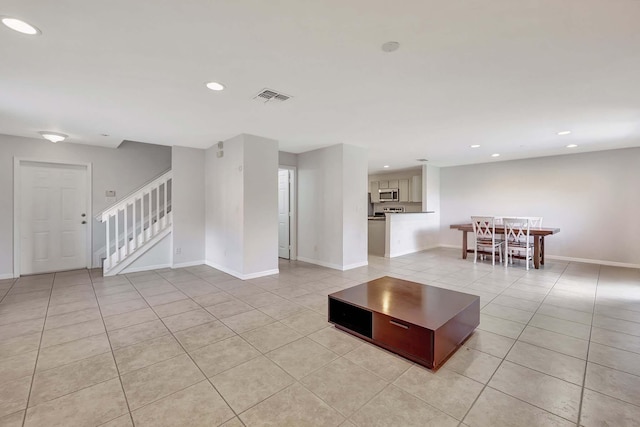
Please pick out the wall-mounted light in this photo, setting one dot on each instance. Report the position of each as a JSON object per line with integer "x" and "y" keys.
{"x": 53, "y": 136}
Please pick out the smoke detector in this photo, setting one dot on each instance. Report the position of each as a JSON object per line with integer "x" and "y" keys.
{"x": 270, "y": 95}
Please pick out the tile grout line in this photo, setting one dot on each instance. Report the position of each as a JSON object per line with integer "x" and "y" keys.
{"x": 113, "y": 357}
{"x": 586, "y": 365}
{"x": 35, "y": 367}
{"x": 505, "y": 358}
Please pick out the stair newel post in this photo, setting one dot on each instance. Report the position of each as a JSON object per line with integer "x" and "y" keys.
{"x": 133, "y": 224}
{"x": 117, "y": 235}
{"x": 107, "y": 261}
{"x": 126, "y": 229}
{"x": 157, "y": 209}
{"x": 166, "y": 204}
{"x": 150, "y": 219}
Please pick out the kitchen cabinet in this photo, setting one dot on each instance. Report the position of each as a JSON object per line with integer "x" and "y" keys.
{"x": 416, "y": 189}
{"x": 393, "y": 183}
{"x": 383, "y": 184}
{"x": 403, "y": 190}
{"x": 375, "y": 195}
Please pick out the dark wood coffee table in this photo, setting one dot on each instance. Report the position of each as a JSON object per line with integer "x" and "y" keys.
{"x": 420, "y": 322}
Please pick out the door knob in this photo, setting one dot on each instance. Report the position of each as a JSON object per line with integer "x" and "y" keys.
{"x": 83, "y": 215}
{"x": 84, "y": 222}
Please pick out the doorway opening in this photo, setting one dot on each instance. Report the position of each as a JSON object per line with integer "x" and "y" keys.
{"x": 287, "y": 213}
{"x": 52, "y": 217}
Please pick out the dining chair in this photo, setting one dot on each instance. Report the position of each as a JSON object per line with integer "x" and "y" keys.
{"x": 535, "y": 221}
{"x": 484, "y": 230}
{"x": 516, "y": 239}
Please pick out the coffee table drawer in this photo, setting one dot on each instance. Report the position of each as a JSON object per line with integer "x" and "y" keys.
{"x": 403, "y": 336}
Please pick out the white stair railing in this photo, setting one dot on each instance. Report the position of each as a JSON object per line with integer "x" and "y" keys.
{"x": 136, "y": 222}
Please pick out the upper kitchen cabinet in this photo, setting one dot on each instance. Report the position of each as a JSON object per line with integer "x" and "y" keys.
{"x": 403, "y": 190}
{"x": 416, "y": 189}
{"x": 374, "y": 186}
{"x": 383, "y": 184}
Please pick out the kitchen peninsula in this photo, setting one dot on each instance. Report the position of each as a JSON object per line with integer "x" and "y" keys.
{"x": 401, "y": 233}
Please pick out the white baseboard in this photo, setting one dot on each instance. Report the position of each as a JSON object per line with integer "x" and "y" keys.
{"x": 448, "y": 247}
{"x": 145, "y": 268}
{"x": 188, "y": 264}
{"x": 239, "y": 275}
{"x": 593, "y": 261}
{"x": 6, "y": 276}
{"x": 355, "y": 265}
{"x": 413, "y": 251}
{"x": 333, "y": 266}
{"x": 572, "y": 259}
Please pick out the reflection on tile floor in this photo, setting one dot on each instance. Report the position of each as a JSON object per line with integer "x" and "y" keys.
{"x": 559, "y": 346}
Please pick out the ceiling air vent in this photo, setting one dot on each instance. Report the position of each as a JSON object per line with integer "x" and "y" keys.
{"x": 269, "y": 95}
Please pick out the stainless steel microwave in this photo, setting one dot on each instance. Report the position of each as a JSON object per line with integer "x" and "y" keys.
{"x": 388, "y": 194}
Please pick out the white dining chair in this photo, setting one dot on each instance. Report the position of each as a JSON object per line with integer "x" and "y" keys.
{"x": 535, "y": 221}
{"x": 516, "y": 239}
{"x": 484, "y": 230}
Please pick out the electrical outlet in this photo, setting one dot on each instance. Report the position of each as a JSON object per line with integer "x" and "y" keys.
{"x": 178, "y": 251}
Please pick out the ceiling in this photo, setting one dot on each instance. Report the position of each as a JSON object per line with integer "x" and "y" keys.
{"x": 508, "y": 75}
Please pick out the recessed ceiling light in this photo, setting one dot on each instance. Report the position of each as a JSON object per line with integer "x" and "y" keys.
{"x": 495, "y": 155}
{"x": 53, "y": 136}
{"x": 385, "y": 166}
{"x": 564, "y": 132}
{"x": 20, "y": 26}
{"x": 215, "y": 86}
{"x": 390, "y": 46}
{"x": 475, "y": 146}
{"x": 572, "y": 146}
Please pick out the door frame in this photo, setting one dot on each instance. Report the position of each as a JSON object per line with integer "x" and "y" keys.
{"x": 17, "y": 205}
{"x": 293, "y": 209}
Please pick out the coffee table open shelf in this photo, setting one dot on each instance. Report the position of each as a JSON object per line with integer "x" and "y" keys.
{"x": 423, "y": 323}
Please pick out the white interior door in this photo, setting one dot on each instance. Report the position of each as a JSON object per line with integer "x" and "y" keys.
{"x": 53, "y": 230}
{"x": 283, "y": 214}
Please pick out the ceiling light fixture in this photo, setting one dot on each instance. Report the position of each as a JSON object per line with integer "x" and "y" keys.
{"x": 20, "y": 26}
{"x": 390, "y": 47}
{"x": 564, "y": 132}
{"x": 572, "y": 145}
{"x": 495, "y": 155}
{"x": 215, "y": 86}
{"x": 386, "y": 166}
{"x": 475, "y": 146}
{"x": 53, "y": 136}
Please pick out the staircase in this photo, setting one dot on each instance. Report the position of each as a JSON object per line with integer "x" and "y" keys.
{"x": 136, "y": 223}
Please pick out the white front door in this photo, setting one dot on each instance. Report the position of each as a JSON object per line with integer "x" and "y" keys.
{"x": 53, "y": 201}
{"x": 283, "y": 214}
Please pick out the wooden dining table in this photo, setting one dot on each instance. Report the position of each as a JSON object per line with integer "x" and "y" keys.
{"x": 538, "y": 240}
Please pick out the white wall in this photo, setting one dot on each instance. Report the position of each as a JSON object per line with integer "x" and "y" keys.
{"x": 354, "y": 212}
{"x": 224, "y": 206}
{"x": 592, "y": 197}
{"x": 188, "y": 205}
{"x": 287, "y": 159}
{"x": 260, "y": 206}
{"x": 242, "y": 207}
{"x": 332, "y": 206}
{"x": 123, "y": 169}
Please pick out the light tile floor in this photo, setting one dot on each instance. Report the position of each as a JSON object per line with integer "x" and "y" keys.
{"x": 559, "y": 346}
